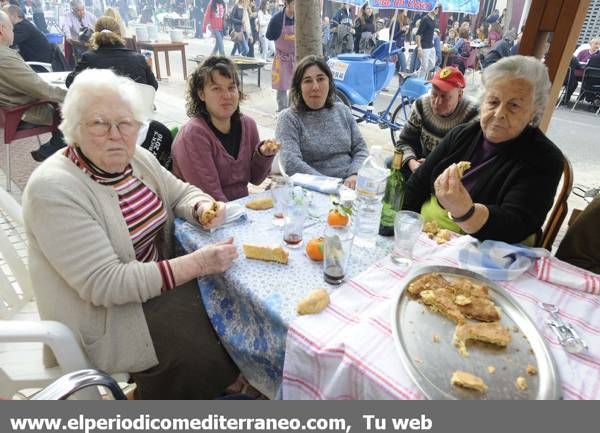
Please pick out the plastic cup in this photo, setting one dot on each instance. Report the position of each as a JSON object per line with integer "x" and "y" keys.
{"x": 281, "y": 194}
{"x": 336, "y": 253}
{"x": 407, "y": 228}
{"x": 293, "y": 225}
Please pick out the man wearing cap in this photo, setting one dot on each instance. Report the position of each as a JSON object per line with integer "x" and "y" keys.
{"x": 433, "y": 115}
{"x": 424, "y": 40}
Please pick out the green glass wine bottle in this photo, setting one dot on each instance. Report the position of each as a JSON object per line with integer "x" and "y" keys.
{"x": 393, "y": 198}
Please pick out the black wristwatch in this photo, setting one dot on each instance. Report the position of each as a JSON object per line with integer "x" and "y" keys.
{"x": 463, "y": 218}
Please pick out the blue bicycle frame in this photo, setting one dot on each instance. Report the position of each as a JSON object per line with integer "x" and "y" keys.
{"x": 360, "y": 77}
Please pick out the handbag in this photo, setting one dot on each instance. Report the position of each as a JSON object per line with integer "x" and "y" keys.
{"x": 236, "y": 36}
{"x": 85, "y": 34}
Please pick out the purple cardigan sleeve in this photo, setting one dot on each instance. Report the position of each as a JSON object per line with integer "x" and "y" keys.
{"x": 261, "y": 165}
{"x": 191, "y": 163}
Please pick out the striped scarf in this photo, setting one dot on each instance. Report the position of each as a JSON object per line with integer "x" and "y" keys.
{"x": 142, "y": 209}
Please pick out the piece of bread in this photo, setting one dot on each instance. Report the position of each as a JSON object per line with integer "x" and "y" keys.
{"x": 429, "y": 281}
{"x": 462, "y": 300}
{"x": 493, "y": 333}
{"x": 465, "y": 287}
{"x": 480, "y": 306}
{"x": 442, "y": 236}
{"x": 481, "y": 309}
{"x": 468, "y": 380}
{"x": 442, "y": 301}
{"x": 260, "y": 203}
{"x": 521, "y": 383}
{"x": 209, "y": 214}
{"x": 268, "y": 254}
{"x": 271, "y": 145}
{"x": 463, "y": 166}
{"x": 314, "y": 303}
{"x": 531, "y": 370}
{"x": 430, "y": 227}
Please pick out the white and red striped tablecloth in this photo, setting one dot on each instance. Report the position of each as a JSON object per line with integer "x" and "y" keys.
{"x": 348, "y": 352}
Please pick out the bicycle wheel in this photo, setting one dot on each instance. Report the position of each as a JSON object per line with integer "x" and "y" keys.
{"x": 341, "y": 97}
{"x": 400, "y": 117}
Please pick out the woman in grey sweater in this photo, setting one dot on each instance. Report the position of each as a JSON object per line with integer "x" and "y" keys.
{"x": 318, "y": 135}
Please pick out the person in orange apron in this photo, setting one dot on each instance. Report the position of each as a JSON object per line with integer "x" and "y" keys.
{"x": 282, "y": 30}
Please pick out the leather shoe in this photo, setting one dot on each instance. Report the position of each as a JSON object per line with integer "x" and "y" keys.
{"x": 47, "y": 149}
{"x": 38, "y": 156}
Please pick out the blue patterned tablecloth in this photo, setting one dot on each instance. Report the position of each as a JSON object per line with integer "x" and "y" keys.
{"x": 253, "y": 303}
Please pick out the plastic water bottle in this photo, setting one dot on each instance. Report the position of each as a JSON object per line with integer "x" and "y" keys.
{"x": 366, "y": 210}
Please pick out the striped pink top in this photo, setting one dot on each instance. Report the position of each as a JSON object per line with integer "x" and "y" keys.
{"x": 142, "y": 209}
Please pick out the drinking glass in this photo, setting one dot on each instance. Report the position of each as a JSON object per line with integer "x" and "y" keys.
{"x": 281, "y": 193}
{"x": 293, "y": 224}
{"x": 407, "y": 228}
{"x": 336, "y": 255}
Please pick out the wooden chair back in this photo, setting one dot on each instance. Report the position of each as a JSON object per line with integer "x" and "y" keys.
{"x": 559, "y": 210}
{"x": 131, "y": 43}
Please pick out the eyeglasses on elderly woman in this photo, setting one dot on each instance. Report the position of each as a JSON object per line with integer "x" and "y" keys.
{"x": 101, "y": 127}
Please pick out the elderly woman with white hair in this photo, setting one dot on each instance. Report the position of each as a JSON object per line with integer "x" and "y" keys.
{"x": 586, "y": 54}
{"x": 514, "y": 168}
{"x": 98, "y": 217}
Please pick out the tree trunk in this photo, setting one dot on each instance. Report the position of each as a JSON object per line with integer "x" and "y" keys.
{"x": 308, "y": 28}
{"x": 507, "y": 19}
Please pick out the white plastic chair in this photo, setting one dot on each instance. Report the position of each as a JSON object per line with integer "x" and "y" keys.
{"x": 147, "y": 94}
{"x": 21, "y": 364}
{"x": 15, "y": 286}
{"x": 58, "y": 337}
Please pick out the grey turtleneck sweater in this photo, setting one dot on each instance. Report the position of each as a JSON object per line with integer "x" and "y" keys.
{"x": 425, "y": 129}
{"x": 322, "y": 142}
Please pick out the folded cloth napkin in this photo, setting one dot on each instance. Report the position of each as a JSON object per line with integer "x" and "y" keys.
{"x": 234, "y": 213}
{"x": 493, "y": 259}
{"x": 323, "y": 184}
{"x": 560, "y": 273}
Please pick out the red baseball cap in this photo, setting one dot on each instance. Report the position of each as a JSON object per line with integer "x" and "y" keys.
{"x": 448, "y": 78}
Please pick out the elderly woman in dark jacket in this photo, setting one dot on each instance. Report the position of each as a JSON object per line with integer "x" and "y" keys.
{"x": 515, "y": 168}
{"x": 109, "y": 52}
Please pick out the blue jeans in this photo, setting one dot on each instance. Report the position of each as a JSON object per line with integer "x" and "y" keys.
{"x": 218, "y": 34}
{"x": 401, "y": 63}
{"x": 241, "y": 46}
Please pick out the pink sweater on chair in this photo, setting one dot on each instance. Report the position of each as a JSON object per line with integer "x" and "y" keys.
{"x": 200, "y": 159}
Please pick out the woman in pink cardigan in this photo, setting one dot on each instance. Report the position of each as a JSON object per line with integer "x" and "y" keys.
{"x": 219, "y": 150}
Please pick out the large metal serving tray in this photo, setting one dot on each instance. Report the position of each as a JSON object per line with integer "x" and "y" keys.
{"x": 431, "y": 364}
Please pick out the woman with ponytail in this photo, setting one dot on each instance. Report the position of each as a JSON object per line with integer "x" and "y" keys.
{"x": 108, "y": 52}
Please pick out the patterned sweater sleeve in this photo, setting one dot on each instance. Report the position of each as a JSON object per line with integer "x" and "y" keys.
{"x": 409, "y": 140}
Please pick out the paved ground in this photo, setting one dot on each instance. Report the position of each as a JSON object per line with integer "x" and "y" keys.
{"x": 576, "y": 133}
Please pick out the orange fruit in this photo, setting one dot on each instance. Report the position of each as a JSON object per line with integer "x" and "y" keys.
{"x": 337, "y": 218}
{"x": 314, "y": 249}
